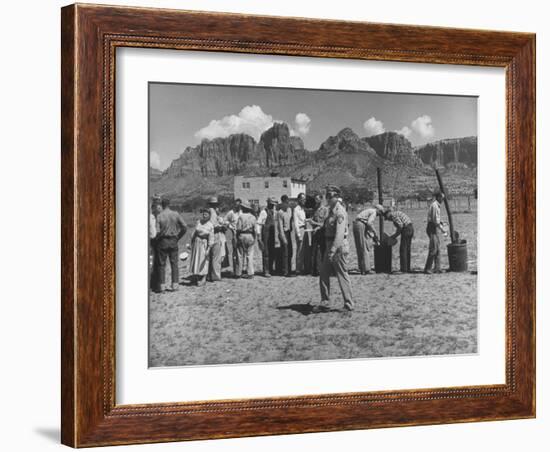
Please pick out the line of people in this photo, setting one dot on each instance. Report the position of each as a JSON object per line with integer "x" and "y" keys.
{"x": 282, "y": 233}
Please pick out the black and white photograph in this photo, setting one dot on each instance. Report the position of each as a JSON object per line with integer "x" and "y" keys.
{"x": 292, "y": 224}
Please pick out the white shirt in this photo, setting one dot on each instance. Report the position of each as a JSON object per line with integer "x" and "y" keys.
{"x": 152, "y": 226}
{"x": 262, "y": 217}
{"x": 299, "y": 220}
{"x": 260, "y": 221}
{"x": 231, "y": 219}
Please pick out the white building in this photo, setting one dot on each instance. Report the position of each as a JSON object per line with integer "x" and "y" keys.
{"x": 256, "y": 190}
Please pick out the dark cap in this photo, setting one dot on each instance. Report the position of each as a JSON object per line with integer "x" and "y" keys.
{"x": 333, "y": 190}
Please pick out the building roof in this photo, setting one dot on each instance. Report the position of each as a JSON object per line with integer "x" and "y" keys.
{"x": 293, "y": 179}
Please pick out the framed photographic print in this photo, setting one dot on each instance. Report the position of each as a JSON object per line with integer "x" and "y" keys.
{"x": 281, "y": 225}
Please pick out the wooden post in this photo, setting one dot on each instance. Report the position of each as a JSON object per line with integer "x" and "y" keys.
{"x": 380, "y": 199}
{"x": 446, "y": 201}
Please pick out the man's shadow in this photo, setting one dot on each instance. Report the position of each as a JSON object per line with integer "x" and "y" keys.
{"x": 307, "y": 309}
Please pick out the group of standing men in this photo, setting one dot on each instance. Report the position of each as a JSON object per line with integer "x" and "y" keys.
{"x": 364, "y": 233}
{"x": 279, "y": 231}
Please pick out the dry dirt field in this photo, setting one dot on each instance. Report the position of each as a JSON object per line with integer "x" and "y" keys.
{"x": 262, "y": 320}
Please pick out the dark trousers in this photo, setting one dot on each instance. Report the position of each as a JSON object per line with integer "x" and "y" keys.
{"x": 284, "y": 255}
{"x": 407, "y": 234}
{"x": 165, "y": 247}
{"x": 268, "y": 254}
{"x": 317, "y": 251}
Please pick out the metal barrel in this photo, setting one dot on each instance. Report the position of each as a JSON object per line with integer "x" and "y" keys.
{"x": 382, "y": 258}
{"x": 458, "y": 256}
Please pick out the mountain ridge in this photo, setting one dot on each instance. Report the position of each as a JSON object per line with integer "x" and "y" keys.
{"x": 344, "y": 159}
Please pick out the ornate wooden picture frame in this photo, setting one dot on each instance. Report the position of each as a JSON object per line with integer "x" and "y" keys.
{"x": 90, "y": 37}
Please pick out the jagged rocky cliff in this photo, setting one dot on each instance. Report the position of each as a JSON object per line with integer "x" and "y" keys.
{"x": 451, "y": 153}
{"x": 344, "y": 159}
{"x": 394, "y": 147}
{"x": 278, "y": 148}
{"x": 346, "y": 141}
{"x": 236, "y": 153}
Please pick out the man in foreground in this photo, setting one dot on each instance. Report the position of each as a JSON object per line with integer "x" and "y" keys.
{"x": 336, "y": 253}
{"x": 434, "y": 227}
{"x": 170, "y": 229}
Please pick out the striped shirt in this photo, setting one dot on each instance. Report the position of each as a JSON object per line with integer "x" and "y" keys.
{"x": 398, "y": 218}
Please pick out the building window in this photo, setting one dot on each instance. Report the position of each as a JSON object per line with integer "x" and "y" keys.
{"x": 266, "y": 184}
{"x": 254, "y": 201}
{"x": 285, "y": 183}
{"x": 246, "y": 184}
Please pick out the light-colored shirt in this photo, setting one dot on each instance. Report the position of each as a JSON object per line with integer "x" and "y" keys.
{"x": 367, "y": 216}
{"x": 246, "y": 223}
{"x": 434, "y": 213}
{"x": 262, "y": 217}
{"x": 299, "y": 220}
{"x": 336, "y": 226}
{"x": 205, "y": 231}
{"x": 217, "y": 221}
{"x": 231, "y": 219}
{"x": 169, "y": 223}
{"x": 152, "y": 226}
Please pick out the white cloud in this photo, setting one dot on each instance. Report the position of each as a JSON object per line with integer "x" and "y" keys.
{"x": 373, "y": 127}
{"x": 250, "y": 120}
{"x": 303, "y": 123}
{"x": 423, "y": 126}
{"x": 405, "y": 131}
{"x": 154, "y": 160}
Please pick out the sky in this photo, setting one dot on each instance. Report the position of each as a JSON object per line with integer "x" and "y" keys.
{"x": 182, "y": 115}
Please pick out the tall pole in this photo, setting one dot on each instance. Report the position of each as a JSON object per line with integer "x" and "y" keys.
{"x": 380, "y": 199}
{"x": 446, "y": 201}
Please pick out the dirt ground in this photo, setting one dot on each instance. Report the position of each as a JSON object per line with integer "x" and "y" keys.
{"x": 263, "y": 320}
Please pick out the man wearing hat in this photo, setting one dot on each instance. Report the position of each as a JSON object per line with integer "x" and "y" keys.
{"x": 363, "y": 230}
{"x": 246, "y": 238}
{"x": 269, "y": 236}
{"x": 170, "y": 229}
{"x": 336, "y": 253}
{"x": 435, "y": 225}
{"x": 217, "y": 252}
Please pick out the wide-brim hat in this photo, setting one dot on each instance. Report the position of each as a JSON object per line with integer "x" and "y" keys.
{"x": 213, "y": 200}
{"x": 379, "y": 208}
{"x": 246, "y": 206}
{"x": 271, "y": 200}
